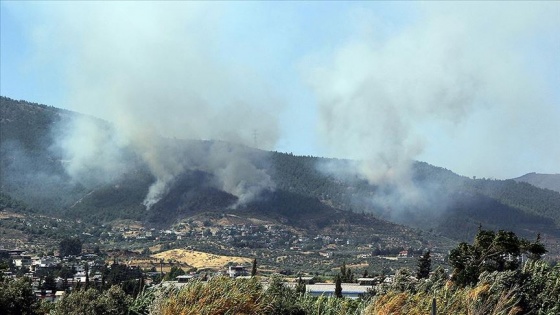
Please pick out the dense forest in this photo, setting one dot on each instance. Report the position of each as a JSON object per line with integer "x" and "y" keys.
{"x": 303, "y": 189}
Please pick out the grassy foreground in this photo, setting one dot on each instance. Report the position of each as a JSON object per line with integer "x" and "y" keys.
{"x": 532, "y": 290}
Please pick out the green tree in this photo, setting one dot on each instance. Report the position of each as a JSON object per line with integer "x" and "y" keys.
{"x": 49, "y": 283}
{"x": 534, "y": 250}
{"x": 338, "y": 286}
{"x": 22, "y": 271}
{"x": 173, "y": 273}
{"x": 541, "y": 289}
{"x": 254, "y": 269}
{"x": 282, "y": 299}
{"x": 120, "y": 274}
{"x": 70, "y": 246}
{"x": 346, "y": 274}
{"x": 17, "y": 298}
{"x": 113, "y": 301}
{"x": 490, "y": 252}
{"x": 65, "y": 273}
{"x": 424, "y": 266}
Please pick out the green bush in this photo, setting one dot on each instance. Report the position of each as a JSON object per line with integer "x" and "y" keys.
{"x": 113, "y": 301}
{"x": 16, "y": 297}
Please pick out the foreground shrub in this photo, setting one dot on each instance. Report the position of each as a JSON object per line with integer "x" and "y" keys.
{"x": 541, "y": 287}
{"x": 142, "y": 303}
{"x": 220, "y": 295}
{"x": 449, "y": 300}
{"x": 331, "y": 306}
{"x": 16, "y": 297}
{"x": 282, "y": 299}
{"x": 91, "y": 302}
{"x": 534, "y": 289}
{"x": 246, "y": 296}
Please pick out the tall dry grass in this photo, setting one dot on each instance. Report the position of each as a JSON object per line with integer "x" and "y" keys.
{"x": 449, "y": 300}
{"x": 220, "y": 295}
{"x": 532, "y": 290}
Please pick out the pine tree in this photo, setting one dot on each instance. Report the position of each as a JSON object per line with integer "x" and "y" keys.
{"x": 349, "y": 276}
{"x": 424, "y": 266}
{"x": 338, "y": 286}
{"x": 491, "y": 251}
{"x": 536, "y": 249}
{"x": 346, "y": 274}
{"x": 86, "y": 270}
{"x": 254, "y": 269}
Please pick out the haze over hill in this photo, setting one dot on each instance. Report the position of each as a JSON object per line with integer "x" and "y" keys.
{"x": 548, "y": 181}
{"x": 214, "y": 176}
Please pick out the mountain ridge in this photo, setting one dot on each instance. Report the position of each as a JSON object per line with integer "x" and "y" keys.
{"x": 545, "y": 181}
{"x": 451, "y": 204}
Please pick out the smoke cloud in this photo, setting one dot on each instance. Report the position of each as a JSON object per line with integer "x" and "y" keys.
{"x": 158, "y": 71}
{"x": 382, "y": 99}
{"x": 462, "y": 85}
{"x": 90, "y": 150}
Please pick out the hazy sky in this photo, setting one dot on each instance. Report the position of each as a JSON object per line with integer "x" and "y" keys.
{"x": 470, "y": 86}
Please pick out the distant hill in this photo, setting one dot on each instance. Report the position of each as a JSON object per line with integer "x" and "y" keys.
{"x": 302, "y": 195}
{"x": 546, "y": 181}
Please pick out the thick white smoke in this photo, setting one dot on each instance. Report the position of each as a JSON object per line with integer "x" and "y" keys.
{"x": 91, "y": 151}
{"x": 236, "y": 172}
{"x": 382, "y": 99}
{"x": 157, "y": 70}
{"x": 461, "y": 85}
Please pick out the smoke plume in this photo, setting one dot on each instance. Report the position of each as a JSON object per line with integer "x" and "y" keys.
{"x": 158, "y": 73}
{"x": 386, "y": 93}
{"x": 466, "y": 86}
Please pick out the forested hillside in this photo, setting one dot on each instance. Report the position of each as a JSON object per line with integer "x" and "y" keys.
{"x": 456, "y": 205}
{"x": 300, "y": 191}
{"x": 29, "y": 169}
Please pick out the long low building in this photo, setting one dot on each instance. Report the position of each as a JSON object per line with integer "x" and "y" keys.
{"x": 349, "y": 290}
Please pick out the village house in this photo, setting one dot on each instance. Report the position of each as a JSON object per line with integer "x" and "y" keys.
{"x": 403, "y": 254}
{"x": 237, "y": 271}
{"x": 22, "y": 261}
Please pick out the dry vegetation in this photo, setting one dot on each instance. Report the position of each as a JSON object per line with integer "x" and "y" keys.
{"x": 8, "y": 214}
{"x": 201, "y": 260}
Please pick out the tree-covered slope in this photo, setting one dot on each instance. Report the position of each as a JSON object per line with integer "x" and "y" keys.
{"x": 523, "y": 196}
{"x": 303, "y": 189}
{"x": 29, "y": 169}
{"x": 450, "y": 204}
